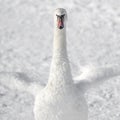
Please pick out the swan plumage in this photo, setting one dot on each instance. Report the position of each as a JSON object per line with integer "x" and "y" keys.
{"x": 63, "y": 97}
{"x": 60, "y": 100}
{"x": 92, "y": 76}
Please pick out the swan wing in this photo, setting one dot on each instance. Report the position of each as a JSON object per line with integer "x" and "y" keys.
{"x": 93, "y": 76}
{"x": 21, "y": 81}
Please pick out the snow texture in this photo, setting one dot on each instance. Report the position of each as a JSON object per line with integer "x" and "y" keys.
{"x": 26, "y": 34}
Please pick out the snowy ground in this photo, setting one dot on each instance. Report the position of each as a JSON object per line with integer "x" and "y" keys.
{"x": 26, "y": 33}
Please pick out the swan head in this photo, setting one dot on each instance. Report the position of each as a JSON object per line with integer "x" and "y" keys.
{"x": 60, "y": 17}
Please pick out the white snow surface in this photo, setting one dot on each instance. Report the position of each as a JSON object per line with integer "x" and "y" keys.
{"x": 26, "y": 36}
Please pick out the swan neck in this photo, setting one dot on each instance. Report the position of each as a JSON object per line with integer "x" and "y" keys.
{"x": 59, "y": 44}
{"x": 60, "y": 73}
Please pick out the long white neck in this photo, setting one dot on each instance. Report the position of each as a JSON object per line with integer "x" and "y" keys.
{"x": 60, "y": 73}
{"x": 59, "y": 44}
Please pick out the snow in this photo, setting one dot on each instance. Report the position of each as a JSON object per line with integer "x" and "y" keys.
{"x": 26, "y": 34}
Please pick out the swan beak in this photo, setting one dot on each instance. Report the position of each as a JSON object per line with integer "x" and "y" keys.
{"x": 60, "y": 21}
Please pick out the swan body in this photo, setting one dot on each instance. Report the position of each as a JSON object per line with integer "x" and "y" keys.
{"x": 60, "y": 100}
{"x": 65, "y": 105}
{"x": 63, "y": 97}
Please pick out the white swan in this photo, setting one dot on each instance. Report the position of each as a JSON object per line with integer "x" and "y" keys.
{"x": 62, "y": 98}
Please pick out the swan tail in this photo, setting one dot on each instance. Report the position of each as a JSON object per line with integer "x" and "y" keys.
{"x": 19, "y": 81}
{"x": 94, "y": 76}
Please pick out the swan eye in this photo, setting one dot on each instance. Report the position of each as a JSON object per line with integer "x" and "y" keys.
{"x": 61, "y": 16}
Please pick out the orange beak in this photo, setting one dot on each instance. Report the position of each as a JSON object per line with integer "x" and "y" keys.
{"x": 60, "y": 22}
